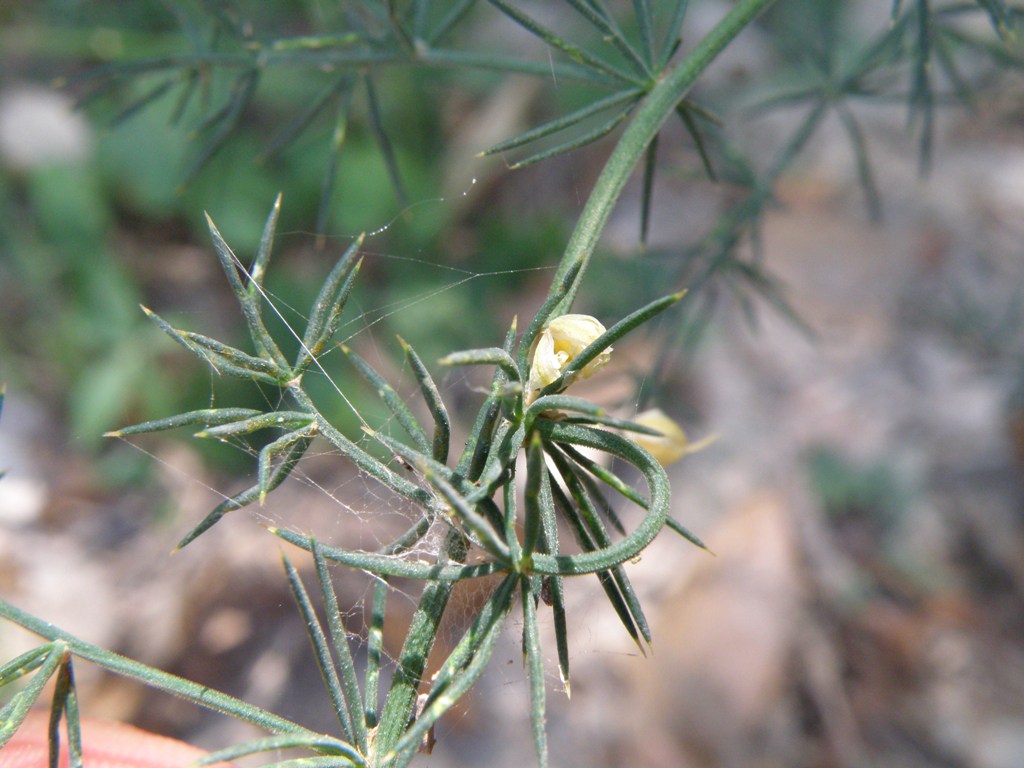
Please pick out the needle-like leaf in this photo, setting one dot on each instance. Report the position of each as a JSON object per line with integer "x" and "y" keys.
{"x": 324, "y": 745}
{"x": 464, "y": 665}
{"x": 222, "y": 358}
{"x": 552, "y": 39}
{"x": 575, "y": 515}
{"x": 230, "y": 264}
{"x": 13, "y": 714}
{"x": 305, "y": 117}
{"x": 289, "y": 420}
{"x": 672, "y": 30}
{"x": 594, "y": 12}
{"x": 860, "y": 153}
{"x": 535, "y": 667}
{"x": 387, "y": 150}
{"x": 567, "y": 121}
{"x": 589, "y": 137}
{"x": 250, "y": 494}
{"x": 374, "y": 650}
{"x": 650, "y": 165}
{"x": 455, "y": 11}
{"x": 442, "y": 423}
{"x": 328, "y": 670}
{"x": 258, "y": 270}
{"x": 391, "y": 399}
{"x": 333, "y": 158}
{"x": 325, "y": 314}
{"x": 207, "y": 417}
{"x": 223, "y": 122}
{"x": 22, "y": 665}
{"x": 143, "y": 101}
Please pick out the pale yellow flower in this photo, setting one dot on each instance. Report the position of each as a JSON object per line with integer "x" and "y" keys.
{"x": 558, "y": 344}
{"x": 672, "y": 444}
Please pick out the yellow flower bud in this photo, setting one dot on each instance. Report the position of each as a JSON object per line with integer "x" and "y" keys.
{"x": 561, "y": 341}
{"x": 672, "y": 444}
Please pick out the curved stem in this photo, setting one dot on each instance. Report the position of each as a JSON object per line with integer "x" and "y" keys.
{"x": 646, "y": 122}
{"x": 657, "y": 508}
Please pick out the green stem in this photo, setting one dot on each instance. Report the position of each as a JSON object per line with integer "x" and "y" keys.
{"x": 644, "y": 126}
{"x": 185, "y": 689}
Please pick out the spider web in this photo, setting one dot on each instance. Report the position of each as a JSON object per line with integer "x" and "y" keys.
{"x": 326, "y": 494}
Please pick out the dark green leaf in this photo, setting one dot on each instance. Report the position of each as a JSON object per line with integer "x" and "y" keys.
{"x": 342, "y": 652}
{"x": 685, "y": 112}
{"x": 223, "y": 123}
{"x": 21, "y": 665}
{"x": 249, "y": 495}
{"x": 536, "y": 474}
{"x": 489, "y": 356}
{"x": 391, "y": 400}
{"x": 1001, "y": 16}
{"x": 221, "y": 357}
{"x": 472, "y": 521}
{"x": 387, "y": 565}
{"x": 282, "y": 446}
{"x": 645, "y": 25}
{"x": 231, "y": 265}
{"x": 554, "y": 126}
{"x": 384, "y": 142}
{"x": 333, "y": 158}
{"x": 552, "y": 586}
{"x": 374, "y": 649}
{"x": 206, "y": 417}
{"x": 464, "y": 665}
{"x": 456, "y": 10}
{"x": 643, "y": 534}
{"x": 860, "y": 153}
{"x": 16, "y": 710}
{"x": 367, "y": 463}
{"x": 683, "y": 531}
{"x": 573, "y": 52}
{"x": 478, "y": 446}
{"x": 413, "y": 536}
{"x": 143, "y": 101}
{"x": 302, "y": 120}
{"x": 400, "y": 706}
{"x": 582, "y": 140}
{"x": 442, "y": 424}
{"x": 650, "y": 161}
{"x": 535, "y": 665}
{"x": 672, "y": 32}
{"x": 63, "y": 693}
{"x": 325, "y": 314}
{"x": 273, "y": 420}
{"x": 592, "y": 535}
{"x": 202, "y": 695}
{"x": 258, "y": 270}
{"x": 317, "y": 742}
{"x": 321, "y": 650}
{"x": 603, "y": 21}
{"x": 605, "y": 475}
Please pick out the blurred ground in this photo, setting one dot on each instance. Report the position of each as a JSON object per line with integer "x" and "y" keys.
{"x": 863, "y": 501}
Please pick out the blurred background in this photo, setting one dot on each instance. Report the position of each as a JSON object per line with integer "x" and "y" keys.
{"x": 855, "y": 340}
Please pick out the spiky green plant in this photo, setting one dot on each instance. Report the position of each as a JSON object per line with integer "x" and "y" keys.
{"x": 473, "y": 496}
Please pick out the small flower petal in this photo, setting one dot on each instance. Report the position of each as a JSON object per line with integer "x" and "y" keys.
{"x": 556, "y": 346}
{"x": 672, "y": 444}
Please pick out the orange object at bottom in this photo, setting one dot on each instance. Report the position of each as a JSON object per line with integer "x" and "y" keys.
{"x": 104, "y": 745}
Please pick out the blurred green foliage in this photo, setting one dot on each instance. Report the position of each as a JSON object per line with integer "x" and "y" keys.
{"x": 87, "y": 242}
